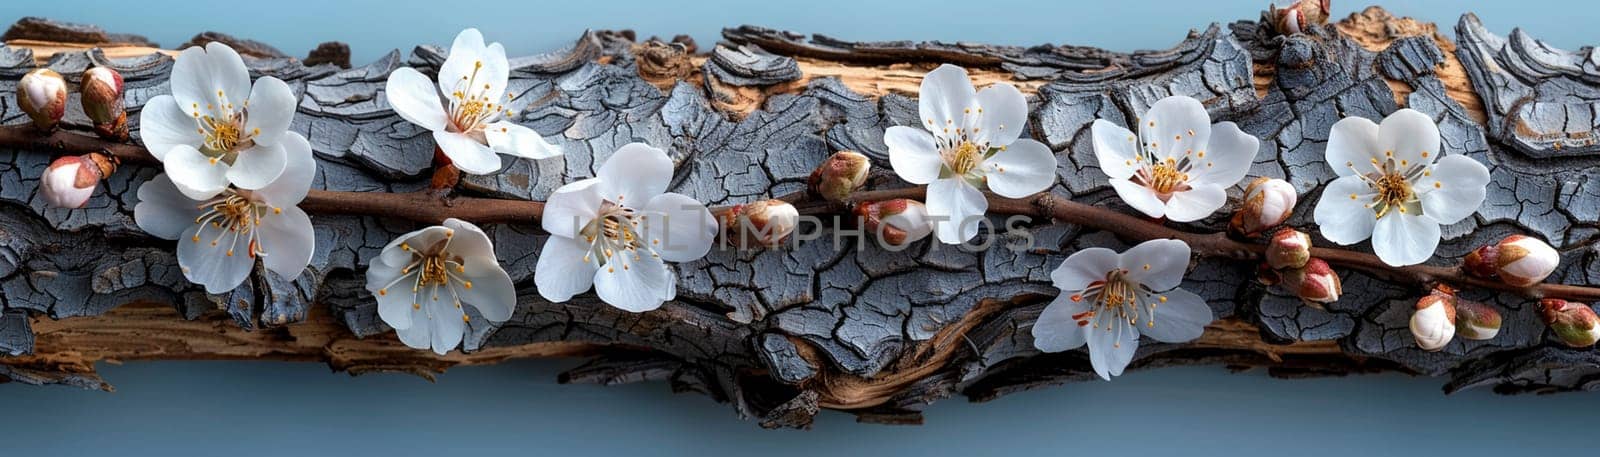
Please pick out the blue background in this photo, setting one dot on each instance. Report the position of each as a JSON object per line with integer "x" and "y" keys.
{"x": 242, "y": 409}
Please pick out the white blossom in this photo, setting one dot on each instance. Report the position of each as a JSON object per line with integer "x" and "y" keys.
{"x": 1108, "y": 300}
{"x": 1180, "y": 165}
{"x": 464, "y": 110}
{"x": 616, "y": 231}
{"x": 1391, "y": 189}
{"x": 422, "y": 280}
{"x": 969, "y": 141}
{"x": 220, "y": 238}
{"x": 216, "y": 129}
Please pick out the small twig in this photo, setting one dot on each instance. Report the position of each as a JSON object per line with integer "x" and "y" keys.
{"x": 428, "y": 207}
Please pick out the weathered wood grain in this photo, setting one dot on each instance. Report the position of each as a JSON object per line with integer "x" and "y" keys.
{"x": 779, "y": 334}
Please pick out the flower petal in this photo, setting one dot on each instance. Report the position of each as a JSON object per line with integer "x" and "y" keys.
{"x": 1196, "y": 203}
{"x": 420, "y": 334}
{"x": 1402, "y": 239}
{"x": 257, "y": 166}
{"x": 467, "y": 153}
{"x": 492, "y": 292}
{"x": 1083, "y": 267}
{"x": 1139, "y": 197}
{"x": 163, "y": 124}
{"x": 1227, "y": 158}
{"x": 562, "y": 271}
{"x": 1116, "y": 149}
{"x": 957, "y": 210}
{"x": 194, "y": 174}
{"x": 1411, "y": 135}
{"x": 162, "y": 211}
{"x": 288, "y": 240}
{"x": 466, "y": 54}
{"x": 1181, "y": 318}
{"x": 634, "y": 284}
{"x": 634, "y": 174}
{"x": 944, "y": 99}
{"x": 495, "y": 74}
{"x": 394, "y": 304}
{"x": 678, "y": 228}
{"x": 299, "y": 169}
{"x": 203, "y": 255}
{"x": 1025, "y": 168}
{"x": 414, "y": 98}
{"x": 913, "y": 155}
{"x": 200, "y": 73}
{"x": 1111, "y": 350}
{"x": 1455, "y": 189}
{"x": 448, "y": 325}
{"x": 1342, "y": 211}
{"x": 1001, "y": 117}
{"x": 571, "y": 207}
{"x": 511, "y": 138}
{"x": 467, "y": 240}
{"x": 1177, "y": 125}
{"x": 1352, "y": 145}
{"x": 1057, "y": 330}
{"x": 272, "y": 106}
{"x": 1158, "y": 264}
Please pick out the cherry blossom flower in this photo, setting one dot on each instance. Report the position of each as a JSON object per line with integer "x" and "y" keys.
{"x": 220, "y": 238}
{"x": 466, "y": 120}
{"x": 216, "y": 129}
{"x": 1180, "y": 165}
{"x": 423, "y": 278}
{"x": 969, "y": 141}
{"x": 1391, "y": 189}
{"x": 616, "y": 231}
{"x": 1108, "y": 299}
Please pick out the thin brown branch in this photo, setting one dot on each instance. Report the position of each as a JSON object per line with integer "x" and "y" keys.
{"x": 433, "y": 207}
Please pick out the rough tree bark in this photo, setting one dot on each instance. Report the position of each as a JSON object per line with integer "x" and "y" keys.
{"x": 781, "y": 334}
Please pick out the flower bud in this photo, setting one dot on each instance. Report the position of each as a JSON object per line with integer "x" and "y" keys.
{"x": 1267, "y": 203}
{"x": 42, "y": 94}
{"x": 840, "y": 175}
{"x": 1316, "y": 283}
{"x": 1299, "y": 16}
{"x": 767, "y": 223}
{"x": 69, "y": 181}
{"x": 897, "y": 222}
{"x": 1476, "y": 321}
{"x": 1288, "y": 249}
{"x": 1434, "y": 322}
{"x": 102, "y": 102}
{"x": 1517, "y": 260}
{"x": 1575, "y": 324}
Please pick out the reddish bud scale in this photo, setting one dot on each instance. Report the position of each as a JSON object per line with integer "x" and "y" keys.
{"x": 1574, "y": 324}
{"x": 840, "y": 175}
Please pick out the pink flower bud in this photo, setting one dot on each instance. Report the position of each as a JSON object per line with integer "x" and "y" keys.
{"x": 69, "y": 181}
{"x": 1288, "y": 249}
{"x": 1476, "y": 321}
{"x": 840, "y": 175}
{"x": 1575, "y": 324}
{"x": 1299, "y": 16}
{"x": 1316, "y": 283}
{"x": 1517, "y": 260}
{"x": 102, "y": 102}
{"x": 897, "y": 222}
{"x": 1267, "y": 203}
{"x": 42, "y": 94}
{"x": 766, "y": 223}
{"x": 1433, "y": 324}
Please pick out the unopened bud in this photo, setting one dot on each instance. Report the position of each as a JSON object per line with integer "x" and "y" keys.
{"x": 1267, "y": 203}
{"x": 69, "y": 181}
{"x": 840, "y": 175}
{"x": 897, "y": 222}
{"x": 1476, "y": 321}
{"x": 1517, "y": 260}
{"x": 1575, "y": 324}
{"x": 42, "y": 94}
{"x": 1288, "y": 249}
{"x": 1299, "y": 16}
{"x": 102, "y": 102}
{"x": 1316, "y": 283}
{"x": 1433, "y": 324}
{"x": 766, "y": 223}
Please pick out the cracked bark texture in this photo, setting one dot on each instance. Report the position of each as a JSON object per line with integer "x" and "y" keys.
{"x": 781, "y": 334}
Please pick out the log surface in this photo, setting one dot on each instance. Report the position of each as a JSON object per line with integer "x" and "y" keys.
{"x": 781, "y": 334}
